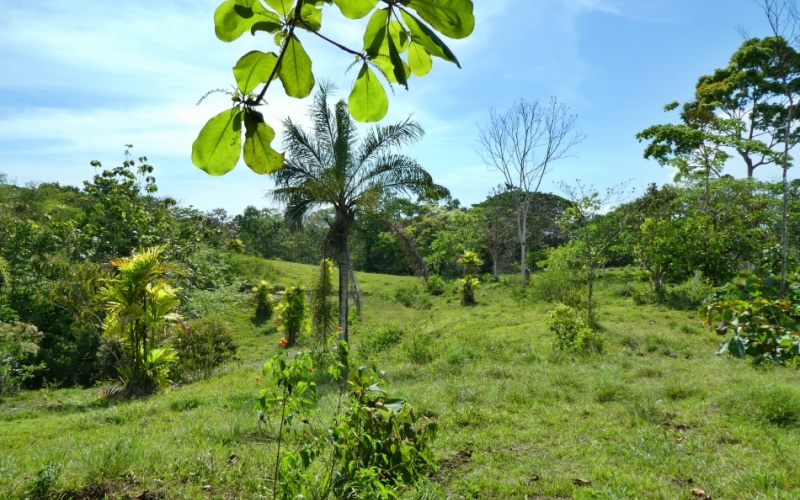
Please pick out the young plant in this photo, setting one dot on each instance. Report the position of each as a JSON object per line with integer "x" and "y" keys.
{"x": 571, "y": 332}
{"x": 374, "y": 445}
{"x": 140, "y": 307}
{"x": 470, "y": 261}
{"x": 291, "y": 315}
{"x": 263, "y": 299}
{"x": 466, "y": 289}
{"x": 323, "y": 310}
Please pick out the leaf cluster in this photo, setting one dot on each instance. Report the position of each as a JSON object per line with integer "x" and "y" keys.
{"x": 400, "y": 28}
{"x": 765, "y": 324}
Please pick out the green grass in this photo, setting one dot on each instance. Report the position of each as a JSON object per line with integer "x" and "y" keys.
{"x": 654, "y": 416}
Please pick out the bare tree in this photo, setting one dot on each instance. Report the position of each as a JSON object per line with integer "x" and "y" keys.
{"x": 784, "y": 21}
{"x": 522, "y": 144}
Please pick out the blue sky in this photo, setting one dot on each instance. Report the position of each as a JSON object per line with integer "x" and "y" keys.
{"x": 81, "y": 79}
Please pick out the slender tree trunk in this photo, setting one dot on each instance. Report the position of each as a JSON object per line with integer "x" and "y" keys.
{"x": 523, "y": 237}
{"x": 589, "y": 312}
{"x": 344, "y": 274}
{"x": 356, "y": 294}
{"x": 784, "y": 228}
{"x": 785, "y": 205}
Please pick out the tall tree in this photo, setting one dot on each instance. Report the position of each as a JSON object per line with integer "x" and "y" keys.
{"x": 784, "y": 20}
{"x": 522, "y": 145}
{"x": 329, "y": 168}
{"x": 740, "y": 103}
{"x": 696, "y": 147}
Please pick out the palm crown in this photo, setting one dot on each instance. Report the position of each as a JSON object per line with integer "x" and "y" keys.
{"x": 329, "y": 167}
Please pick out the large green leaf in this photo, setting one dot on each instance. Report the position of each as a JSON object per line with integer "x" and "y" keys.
{"x": 419, "y": 60}
{"x": 376, "y": 31}
{"x": 233, "y": 18}
{"x": 368, "y": 101}
{"x": 311, "y": 16}
{"x": 423, "y": 35}
{"x": 387, "y": 67}
{"x": 258, "y": 152}
{"x": 282, "y": 7}
{"x": 398, "y": 65}
{"x": 399, "y": 35}
{"x": 355, "y": 9}
{"x": 295, "y": 71}
{"x": 253, "y": 69}
{"x": 452, "y": 18}
{"x": 217, "y": 147}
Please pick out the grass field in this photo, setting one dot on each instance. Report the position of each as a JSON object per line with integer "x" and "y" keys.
{"x": 656, "y": 415}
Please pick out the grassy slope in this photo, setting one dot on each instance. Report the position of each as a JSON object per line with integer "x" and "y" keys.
{"x": 655, "y": 416}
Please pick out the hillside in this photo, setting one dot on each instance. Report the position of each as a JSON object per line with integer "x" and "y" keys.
{"x": 656, "y": 415}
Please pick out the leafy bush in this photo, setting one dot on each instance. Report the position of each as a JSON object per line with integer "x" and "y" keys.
{"x": 571, "y": 332}
{"x": 234, "y": 245}
{"x": 291, "y": 315}
{"x": 19, "y": 343}
{"x": 6, "y": 312}
{"x": 381, "y": 436}
{"x": 436, "y": 285}
{"x": 406, "y": 295}
{"x": 152, "y": 373}
{"x": 263, "y": 299}
{"x": 560, "y": 281}
{"x": 688, "y": 295}
{"x": 374, "y": 448}
{"x": 764, "y": 323}
{"x": 203, "y": 345}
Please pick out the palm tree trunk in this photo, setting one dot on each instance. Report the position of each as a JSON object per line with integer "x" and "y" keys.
{"x": 344, "y": 274}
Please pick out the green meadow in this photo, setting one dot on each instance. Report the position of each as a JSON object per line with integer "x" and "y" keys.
{"x": 655, "y": 415}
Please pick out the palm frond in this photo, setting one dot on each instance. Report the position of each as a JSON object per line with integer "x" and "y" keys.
{"x": 382, "y": 139}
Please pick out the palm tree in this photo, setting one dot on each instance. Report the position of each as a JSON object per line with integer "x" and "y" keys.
{"x": 329, "y": 168}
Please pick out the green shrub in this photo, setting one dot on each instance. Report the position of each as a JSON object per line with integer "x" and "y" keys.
{"x": 764, "y": 322}
{"x": 406, "y": 295}
{"x": 262, "y": 296}
{"x": 561, "y": 279}
{"x": 376, "y": 447}
{"x": 379, "y": 340}
{"x": 291, "y": 315}
{"x": 436, "y": 285}
{"x": 203, "y": 345}
{"x": 140, "y": 309}
{"x": 7, "y": 313}
{"x": 571, "y": 332}
{"x": 688, "y": 295}
{"x": 235, "y": 245}
{"x": 644, "y": 294}
{"x": 420, "y": 348}
{"x": 19, "y": 343}
{"x": 466, "y": 289}
{"x": 382, "y": 437}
